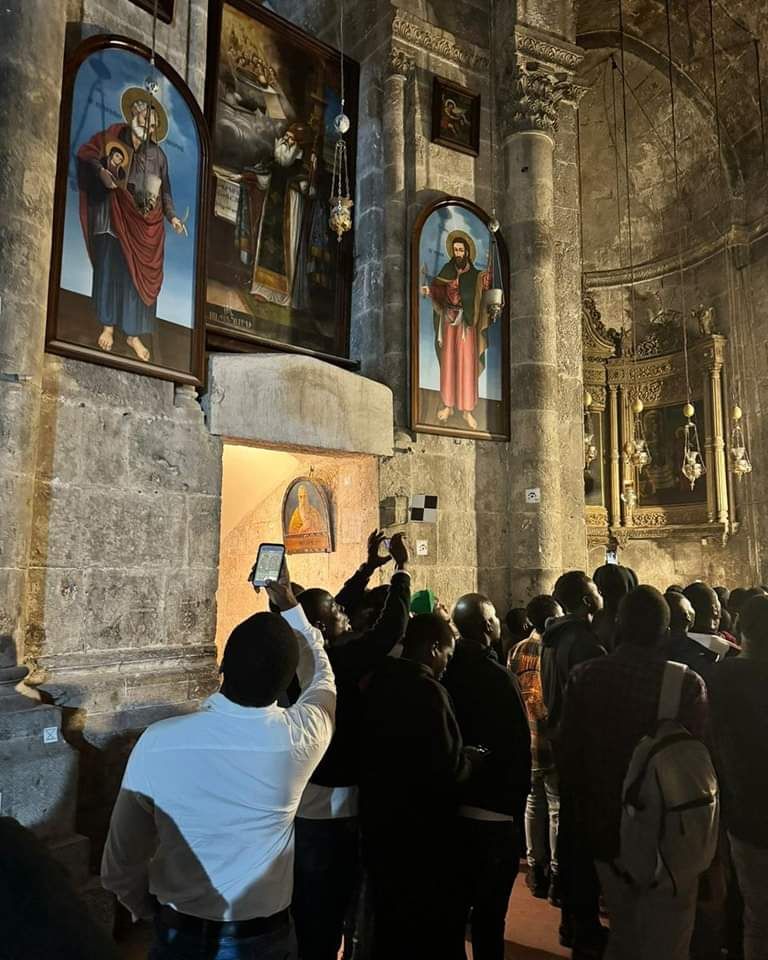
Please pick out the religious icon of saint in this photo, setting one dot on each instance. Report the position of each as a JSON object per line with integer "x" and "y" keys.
{"x": 461, "y": 326}
{"x": 125, "y": 196}
{"x": 305, "y": 518}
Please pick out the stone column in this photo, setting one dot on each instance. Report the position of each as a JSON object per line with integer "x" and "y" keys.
{"x": 31, "y": 53}
{"x": 395, "y": 342}
{"x": 529, "y": 127}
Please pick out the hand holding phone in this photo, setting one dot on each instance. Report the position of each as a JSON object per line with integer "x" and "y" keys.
{"x": 269, "y": 562}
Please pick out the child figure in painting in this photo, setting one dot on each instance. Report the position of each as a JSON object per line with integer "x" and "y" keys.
{"x": 124, "y": 228}
{"x": 461, "y": 327}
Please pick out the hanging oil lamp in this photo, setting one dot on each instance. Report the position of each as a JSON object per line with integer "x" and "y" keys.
{"x": 637, "y": 450}
{"x": 741, "y": 465}
{"x": 340, "y": 219}
{"x": 693, "y": 464}
{"x": 494, "y": 296}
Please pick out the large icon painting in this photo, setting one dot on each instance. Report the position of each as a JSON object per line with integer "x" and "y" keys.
{"x": 277, "y": 274}
{"x": 459, "y": 341}
{"x": 127, "y": 259}
{"x": 306, "y": 518}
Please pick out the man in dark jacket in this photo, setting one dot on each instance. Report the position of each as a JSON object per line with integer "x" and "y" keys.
{"x": 412, "y": 760}
{"x": 326, "y": 860}
{"x": 568, "y": 642}
{"x": 491, "y": 714}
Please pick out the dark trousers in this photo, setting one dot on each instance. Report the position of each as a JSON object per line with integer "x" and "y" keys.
{"x": 490, "y": 859}
{"x": 325, "y": 874}
{"x": 578, "y": 877}
{"x": 413, "y": 881}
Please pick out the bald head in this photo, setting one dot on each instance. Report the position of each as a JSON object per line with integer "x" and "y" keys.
{"x": 475, "y": 619}
{"x": 706, "y": 607}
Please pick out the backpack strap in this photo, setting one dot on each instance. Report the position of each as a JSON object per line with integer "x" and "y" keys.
{"x": 632, "y": 792}
{"x": 671, "y": 690}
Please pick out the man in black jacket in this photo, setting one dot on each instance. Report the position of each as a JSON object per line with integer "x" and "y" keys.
{"x": 490, "y": 712}
{"x": 326, "y": 860}
{"x": 568, "y": 641}
{"x": 412, "y": 761}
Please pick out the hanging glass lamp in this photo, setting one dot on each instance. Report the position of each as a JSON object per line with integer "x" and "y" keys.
{"x": 741, "y": 465}
{"x": 693, "y": 463}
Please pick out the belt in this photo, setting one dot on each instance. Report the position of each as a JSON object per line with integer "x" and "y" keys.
{"x": 174, "y": 920}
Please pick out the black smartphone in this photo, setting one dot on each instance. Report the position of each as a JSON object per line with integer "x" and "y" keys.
{"x": 269, "y": 563}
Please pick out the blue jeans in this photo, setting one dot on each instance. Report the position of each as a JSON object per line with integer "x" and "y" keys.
{"x": 542, "y": 816}
{"x": 170, "y": 944}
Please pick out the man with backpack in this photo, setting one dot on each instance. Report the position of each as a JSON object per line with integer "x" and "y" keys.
{"x": 611, "y": 704}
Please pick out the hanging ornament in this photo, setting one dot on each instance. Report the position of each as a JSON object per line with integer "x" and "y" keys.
{"x": 693, "y": 464}
{"x": 590, "y": 447}
{"x": 340, "y": 219}
{"x": 493, "y": 298}
{"x": 637, "y": 450}
{"x": 741, "y": 465}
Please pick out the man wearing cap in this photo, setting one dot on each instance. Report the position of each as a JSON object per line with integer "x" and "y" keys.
{"x": 124, "y": 229}
{"x": 202, "y": 834}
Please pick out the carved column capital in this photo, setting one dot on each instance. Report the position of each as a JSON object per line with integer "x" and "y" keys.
{"x": 538, "y": 78}
{"x": 400, "y": 62}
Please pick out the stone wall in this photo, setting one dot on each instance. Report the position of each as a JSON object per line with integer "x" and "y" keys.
{"x": 254, "y": 482}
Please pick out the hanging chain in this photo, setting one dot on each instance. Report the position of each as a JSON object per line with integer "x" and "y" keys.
{"x": 154, "y": 35}
{"x": 614, "y": 68}
{"x": 492, "y": 62}
{"x": 760, "y": 95}
{"x": 626, "y": 174}
{"x": 714, "y": 76}
{"x": 341, "y": 50}
{"x": 678, "y": 194}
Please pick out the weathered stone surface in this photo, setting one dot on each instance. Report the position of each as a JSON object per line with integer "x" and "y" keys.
{"x": 266, "y": 398}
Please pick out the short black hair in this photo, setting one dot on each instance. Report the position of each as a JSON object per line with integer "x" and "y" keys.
{"x": 703, "y": 598}
{"x": 517, "y": 621}
{"x": 314, "y": 603}
{"x": 737, "y": 600}
{"x": 723, "y": 593}
{"x": 754, "y": 619}
{"x": 259, "y": 661}
{"x": 643, "y": 617}
{"x": 678, "y": 620}
{"x": 614, "y": 582}
{"x": 423, "y": 632}
{"x": 541, "y": 609}
{"x": 570, "y": 589}
{"x": 675, "y": 588}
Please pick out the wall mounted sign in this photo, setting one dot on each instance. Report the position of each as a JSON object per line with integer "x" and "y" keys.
{"x": 128, "y": 254}
{"x": 277, "y": 274}
{"x": 459, "y": 324}
{"x": 306, "y": 518}
{"x": 455, "y": 117}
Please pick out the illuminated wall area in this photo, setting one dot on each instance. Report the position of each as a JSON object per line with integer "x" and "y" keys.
{"x": 254, "y": 482}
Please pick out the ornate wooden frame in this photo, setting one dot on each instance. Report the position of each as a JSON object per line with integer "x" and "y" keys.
{"x": 54, "y": 343}
{"x": 227, "y": 336}
{"x": 615, "y": 379}
{"x": 418, "y": 425}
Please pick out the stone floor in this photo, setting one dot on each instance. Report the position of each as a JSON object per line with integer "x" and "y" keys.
{"x": 531, "y": 930}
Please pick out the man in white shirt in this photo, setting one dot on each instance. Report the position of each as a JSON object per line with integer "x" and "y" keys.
{"x": 202, "y": 832}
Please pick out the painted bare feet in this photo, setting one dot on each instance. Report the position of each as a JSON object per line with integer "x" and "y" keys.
{"x": 469, "y": 420}
{"x": 106, "y": 339}
{"x": 138, "y": 348}
{"x": 443, "y": 414}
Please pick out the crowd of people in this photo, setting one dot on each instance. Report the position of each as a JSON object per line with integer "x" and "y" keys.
{"x": 375, "y": 767}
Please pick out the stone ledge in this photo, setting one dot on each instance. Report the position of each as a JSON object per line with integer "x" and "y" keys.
{"x": 296, "y": 401}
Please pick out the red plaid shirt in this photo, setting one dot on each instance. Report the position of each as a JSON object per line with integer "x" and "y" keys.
{"x": 610, "y": 703}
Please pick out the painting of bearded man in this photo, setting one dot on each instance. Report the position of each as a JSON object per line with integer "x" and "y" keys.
{"x": 306, "y": 524}
{"x": 457, "y": 308}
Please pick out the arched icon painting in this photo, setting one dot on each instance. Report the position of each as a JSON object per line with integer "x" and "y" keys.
{"x": 306, "y": 518}
{"x": 127, "y": 272}
{"x": 459, "y": 324}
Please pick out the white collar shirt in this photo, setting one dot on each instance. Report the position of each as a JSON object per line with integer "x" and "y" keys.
{"x": 204, "y": 819}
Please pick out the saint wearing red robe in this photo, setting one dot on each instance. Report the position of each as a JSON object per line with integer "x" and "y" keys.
{"x": 461, "y": 328}
{"x": 122, "y": 212}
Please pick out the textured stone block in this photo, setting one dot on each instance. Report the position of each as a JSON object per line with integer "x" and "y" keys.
{"x": 55, "y": 604}
{"x": 190, "y": 606}
{"x": 59, "y": 516}
{"x": 203, "y": 520}
{"x": 123, "y": 609}
{"x": 297, "y": 401}
{"x": 166, "y": 454}
{"x": 133, "y": 529}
